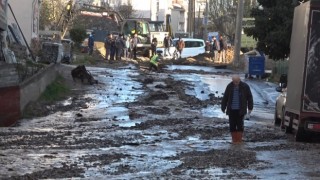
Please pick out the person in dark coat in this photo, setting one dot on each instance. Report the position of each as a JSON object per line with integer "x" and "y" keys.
{"x": 236, "y": 100}
{"x": 134, "y": 43}
{"x": 112, "y": 49}
{"x": 91, "y": 43}
{"x": 167, "y": 42}
{"x": 107, "y": 45}
{"x": 154, "y": 44}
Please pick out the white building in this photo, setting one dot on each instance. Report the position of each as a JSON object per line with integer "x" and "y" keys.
{"x": 27, "y": 17}
{"x": 179, "y": 18}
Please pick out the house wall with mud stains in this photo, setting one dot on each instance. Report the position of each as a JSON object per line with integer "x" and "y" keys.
{"x": 15, "y": 98}
{"x": 9, "y": 105}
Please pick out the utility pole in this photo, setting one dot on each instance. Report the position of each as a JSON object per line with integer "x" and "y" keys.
{"x": 194, "y": 17}
{"x": 191, "y": 18}
{"x": 205, "y": 34}
{"x": 189, "y": 15}
{"x": 236, "y": 60}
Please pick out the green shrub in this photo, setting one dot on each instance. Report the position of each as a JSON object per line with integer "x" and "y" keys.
{"x": 78, "y": 35}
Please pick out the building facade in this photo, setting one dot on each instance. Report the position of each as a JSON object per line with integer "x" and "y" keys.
{"x": 27, "y": 17}
{"x": 157, "y": 10}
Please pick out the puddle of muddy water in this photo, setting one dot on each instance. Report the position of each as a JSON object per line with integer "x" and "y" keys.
{"x": 116, "y": 86}
{"x": 288, "y": 165}
{"x": 202, "y": 85}
{"x": 213, "y": 111}
{"x": 129, "y": 124}
{"x": 67, "y": 102}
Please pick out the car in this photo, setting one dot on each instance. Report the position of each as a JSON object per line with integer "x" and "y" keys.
{"x": 280, "y": 104}
{"x": 193, "y": 47}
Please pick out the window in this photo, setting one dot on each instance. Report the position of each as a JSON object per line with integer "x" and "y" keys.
{"x": 190, "y": 44}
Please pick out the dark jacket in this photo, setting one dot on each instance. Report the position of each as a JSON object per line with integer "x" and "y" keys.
{"x": 246, "y": 100}
{"x": 91, "y": 41}
{"x": 167, "y": 42}
{"x": 107, "y": 43}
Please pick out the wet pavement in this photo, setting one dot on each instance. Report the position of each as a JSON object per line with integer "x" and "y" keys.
{"x": 145, "y": 125}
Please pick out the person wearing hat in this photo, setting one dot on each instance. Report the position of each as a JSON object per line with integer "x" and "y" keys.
{"x": 154, "y": 61}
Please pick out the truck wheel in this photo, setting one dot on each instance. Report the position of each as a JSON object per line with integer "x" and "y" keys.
{"x": 300, "y": 135}
{"x": 277, "y": 121}
{"x": 288, "y": 129}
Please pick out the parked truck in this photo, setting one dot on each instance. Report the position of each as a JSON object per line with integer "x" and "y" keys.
{"x": 301, "y": 113}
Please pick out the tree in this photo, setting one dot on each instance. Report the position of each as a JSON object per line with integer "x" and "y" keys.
{"x": 126, "y": 11}
{"x": 44, "y": 19}
{"x": 222, "y": 14}
{"x": 50, "y": 12}
{"x": 78, "y": 34}
{"x": 248, "y": 5}
{"x": 273, "y": 25}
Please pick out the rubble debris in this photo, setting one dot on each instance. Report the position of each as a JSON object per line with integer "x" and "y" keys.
{"x": 82, "y": 73}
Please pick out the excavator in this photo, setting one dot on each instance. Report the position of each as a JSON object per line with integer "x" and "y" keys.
{"x": 103, "y": 21}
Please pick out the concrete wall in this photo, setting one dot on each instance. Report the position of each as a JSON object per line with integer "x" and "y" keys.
{"x": 15, "y": 98}
{"x": 31, "y": 89}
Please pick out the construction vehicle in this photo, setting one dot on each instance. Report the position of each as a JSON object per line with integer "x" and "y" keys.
{"x": 157, "y": 31}
{"x": 302, "y": 105}
{"x": 102, "y": 21}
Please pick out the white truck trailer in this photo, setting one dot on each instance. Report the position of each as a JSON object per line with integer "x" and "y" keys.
{"x": 302, "y": 108}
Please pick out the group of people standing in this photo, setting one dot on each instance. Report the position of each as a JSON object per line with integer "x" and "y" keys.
{"x": 121, "y": 46}
{"x": 179, "y": 45}
{"x": 219, "y": 48}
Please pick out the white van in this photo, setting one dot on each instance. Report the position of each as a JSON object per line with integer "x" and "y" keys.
{"x": 193, "y": 47}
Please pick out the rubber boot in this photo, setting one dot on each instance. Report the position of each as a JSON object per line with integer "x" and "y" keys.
{"x": 234, "y": 137}
{"x": 239, "y": 137}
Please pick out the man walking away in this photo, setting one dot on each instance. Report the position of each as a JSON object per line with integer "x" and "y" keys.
{"x": 91, "y": 43}
{"x": 236, "y": 100}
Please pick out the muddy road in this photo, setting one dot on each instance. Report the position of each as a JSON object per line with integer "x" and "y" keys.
{"x": 137, "y": 124}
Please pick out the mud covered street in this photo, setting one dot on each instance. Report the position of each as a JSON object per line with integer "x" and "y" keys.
{"x": 137, "y": 124}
